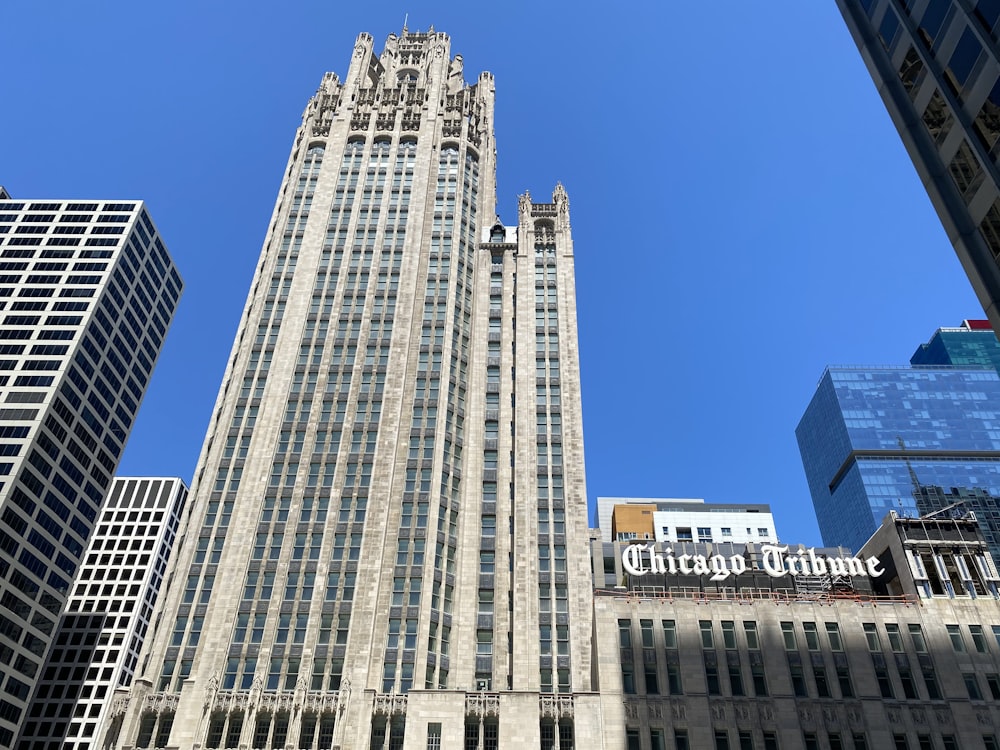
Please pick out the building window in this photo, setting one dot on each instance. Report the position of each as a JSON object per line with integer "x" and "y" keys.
{"x": 646, "y": 628}
{"x": 669, "y": 633}
{"x": 798, "y": 679}
{"x": 652, "y": 685}
{"x": 812, "y": 638}
{"x": 993, "y": 682}
{"x": 735, "y": 679}
{"x": 628, "y": 680}
{"x": 972, "y": 686}
{"x": 707, "y": 641}
{"x": 963, "y": 60}
{"x": 871, "y": 636}
{"x": 674, "y": 678}
{"x": 833, "y": 633}
{"x": 757, "y": 674}
{"x": 895, "y": 639}
{"x": 625, "y": 633}
{"x": 729, "y": 634}
{"x": 955, "y": 634}
{"x": 434, "y": 736}
{"x": 822, "y": 686}
{"x": 844, "y": 680}
{"x": 917, "y": 637}
{"x": 978, "y": 638}
{"x": 931, "y": 683}
{"x": 788, "y": 633}
{"x": 930, "y": 22}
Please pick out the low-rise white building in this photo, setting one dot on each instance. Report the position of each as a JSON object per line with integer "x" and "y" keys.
{"x": 684, "y": 520}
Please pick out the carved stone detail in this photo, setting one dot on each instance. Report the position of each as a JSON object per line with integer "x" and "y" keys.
{"x": 482, "y": 704}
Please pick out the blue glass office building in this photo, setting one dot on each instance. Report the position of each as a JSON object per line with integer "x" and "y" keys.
{"x": 972, "y": 344}
{"x": 913, "y": 440}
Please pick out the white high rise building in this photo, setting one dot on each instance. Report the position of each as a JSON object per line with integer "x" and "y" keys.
{"x": 387, "y": 540}
{"x": 87, "y": 292}
{"x": 107, "y": 615}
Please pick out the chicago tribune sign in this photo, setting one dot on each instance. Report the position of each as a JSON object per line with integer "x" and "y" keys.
{"x": 638, "y": 560}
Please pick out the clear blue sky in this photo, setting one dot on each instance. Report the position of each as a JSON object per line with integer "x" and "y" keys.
{"x": 743, "y": 211}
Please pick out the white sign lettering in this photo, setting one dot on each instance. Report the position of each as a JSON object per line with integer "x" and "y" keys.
{"x": 638, "y": 560}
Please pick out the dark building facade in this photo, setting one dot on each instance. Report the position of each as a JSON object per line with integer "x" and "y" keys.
{"x": 936, "y": 65}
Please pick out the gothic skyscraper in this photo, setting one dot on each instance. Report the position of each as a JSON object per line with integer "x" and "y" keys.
{"x": 387, "y": 532}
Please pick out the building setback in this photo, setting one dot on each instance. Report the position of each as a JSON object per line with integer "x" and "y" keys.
{"x": 936, "y": 64}
{"x": 393, "y": 473}
{"x": 972, "y": 344}
{"x": 880, "y": 439}
{"x": 87, "y": 292}
{"x": 107, "y": 615}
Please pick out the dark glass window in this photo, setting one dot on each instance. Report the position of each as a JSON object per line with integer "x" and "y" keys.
{"x": 628, "y": 680}
{"x": 987, "y": 122}
{"x": 987, "y": 12}
{"x": 712, "y": 678}
{"x": 993, "y": 681}
{"x": 965, "y": 169}
{"x": 937, "y": 117}
{"x": 674, "y": 679}
{"x": 888, "y": 29}
{"x": 798, "y": 680}
{"x": 963, "y": 59}
{"x": 989, "y": 227}
{"x": 972, "y": 686}
{"x": 910, "y": 71}
{"x": 930, "y": 22}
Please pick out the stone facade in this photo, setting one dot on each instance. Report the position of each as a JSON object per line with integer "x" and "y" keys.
{"x": 891, "y": 666}
{"x": 386, "y": 540}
